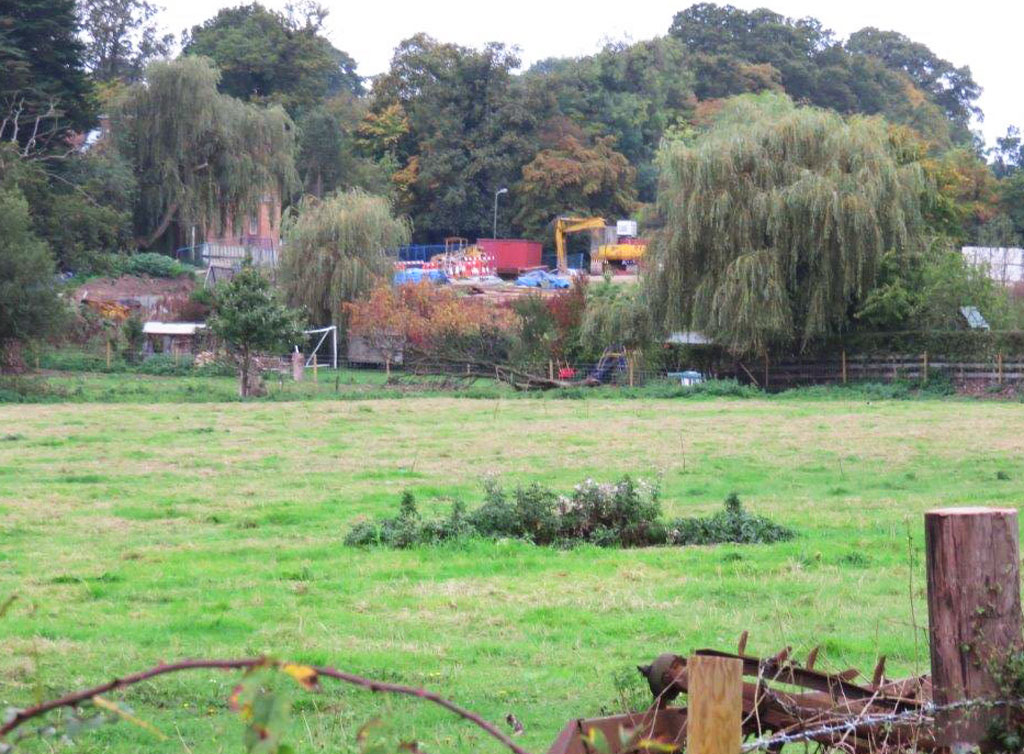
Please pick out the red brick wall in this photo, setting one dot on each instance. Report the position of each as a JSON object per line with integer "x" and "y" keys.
{"x": 262, "y": 227}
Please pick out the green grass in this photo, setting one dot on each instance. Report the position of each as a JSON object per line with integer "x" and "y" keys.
{"x": 134, "y": 532}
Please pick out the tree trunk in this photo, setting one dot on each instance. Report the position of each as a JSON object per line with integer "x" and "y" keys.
{"x": 243, "y": 381}
{"x": 974, "y": 611}
{"x": 11, "y": 359}
{"x": 148, "y": 241}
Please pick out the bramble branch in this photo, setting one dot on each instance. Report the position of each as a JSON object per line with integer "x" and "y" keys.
{"x": 77, "y": 698}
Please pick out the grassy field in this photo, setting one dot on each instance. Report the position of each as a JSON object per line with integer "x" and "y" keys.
{"x": 133, "y": 533}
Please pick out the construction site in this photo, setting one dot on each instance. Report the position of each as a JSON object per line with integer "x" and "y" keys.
{"x": 504, "y": 264}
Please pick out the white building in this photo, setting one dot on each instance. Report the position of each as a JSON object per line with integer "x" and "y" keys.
{"x": 1004, "y": 264}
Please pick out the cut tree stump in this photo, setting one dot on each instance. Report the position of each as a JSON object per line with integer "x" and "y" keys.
{"x": 974, "y": 612}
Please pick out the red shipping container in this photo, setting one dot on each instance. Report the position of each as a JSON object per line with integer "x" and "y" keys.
{"x": 512, "y": 255}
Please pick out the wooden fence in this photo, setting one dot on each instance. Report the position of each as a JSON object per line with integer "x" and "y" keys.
{"x": 843, "y": 368}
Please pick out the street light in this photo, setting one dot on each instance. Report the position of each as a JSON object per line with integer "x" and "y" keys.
{"x": 499, "y": 192}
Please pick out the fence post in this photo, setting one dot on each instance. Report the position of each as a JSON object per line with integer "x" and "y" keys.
{"x": 924, "y": 367}
{"x": 551, "y": 370}
{"x": 765, "y": 370}
{"x": 108, "y": 353}
{"x": 714, "y": 705}
{"x": 974, "y": 612}
{"x": 298, "y": 367}
{"x": 843, "y": 354}
{"x": 629, "y": 362}
{"x": 999, "y": 364}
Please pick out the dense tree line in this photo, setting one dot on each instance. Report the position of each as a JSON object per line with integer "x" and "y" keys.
{"x": 258, "y": 98}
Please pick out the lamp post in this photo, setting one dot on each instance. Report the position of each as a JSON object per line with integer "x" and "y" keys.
{"x": 499, "y": 192}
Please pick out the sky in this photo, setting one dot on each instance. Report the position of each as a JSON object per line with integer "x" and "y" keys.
{"x": 984, "y": 34}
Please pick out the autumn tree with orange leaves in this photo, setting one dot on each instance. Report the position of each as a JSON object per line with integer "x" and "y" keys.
{"x": 436, "y": 325}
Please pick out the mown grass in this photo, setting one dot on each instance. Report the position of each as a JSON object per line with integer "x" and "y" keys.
{"x": 138, "y": 532}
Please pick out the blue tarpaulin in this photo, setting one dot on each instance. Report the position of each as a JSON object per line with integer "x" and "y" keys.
{"x": 542, "y": 279}
{"x": 417, "y": 275}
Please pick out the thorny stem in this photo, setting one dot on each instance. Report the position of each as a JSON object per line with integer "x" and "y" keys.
{"x": 76, "y": 698}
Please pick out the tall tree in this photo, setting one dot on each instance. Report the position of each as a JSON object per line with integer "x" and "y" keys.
{"x": 952, "y": 88}
{"x": 274, "y": 58}
{"x": 334, "y": 250}
{"x": 573, "y": 177}
{"x": 121, "y": 38}
{"x": 329, "y": 157}
{"x": 1008, "y": 154}
{"x": 197, "y": 153}
{"x": 29, "y": 306}
{"x": 775, "y": 224}
{"x": 44, "y": 91}
{"x": 812, "y": 66}
{"x": 633, "y": 93}
{"x": 81, "y": 206}
{"x": 463, "y": 131}
{"x": 249, "y": 319}
{"x": 757, "y": 36}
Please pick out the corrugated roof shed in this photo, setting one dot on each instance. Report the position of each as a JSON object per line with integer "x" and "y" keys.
{"x": 172, "y": 328}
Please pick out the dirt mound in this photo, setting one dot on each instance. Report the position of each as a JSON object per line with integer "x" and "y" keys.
{"x": 146, "y": 296}
{"x": 130, "y": 286}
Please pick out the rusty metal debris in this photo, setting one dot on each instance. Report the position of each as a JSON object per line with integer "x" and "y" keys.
{"x": 781, "y": 700}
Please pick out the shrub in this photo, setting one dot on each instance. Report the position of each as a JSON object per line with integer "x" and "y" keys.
{"x": 624, "y": 514}
{"x": 733, "y": 524}
{"x": 1005, "y": 732}
{"x": 151, "y": 264}
{"x": 19, "y": 389}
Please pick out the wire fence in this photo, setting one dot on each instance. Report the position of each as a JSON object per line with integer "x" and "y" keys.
{"x": 163, "y": 353}
{"x": 924, "y": 715}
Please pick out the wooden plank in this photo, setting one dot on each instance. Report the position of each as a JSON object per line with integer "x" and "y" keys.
{"x": 715, "y": 705}
{"x": 974, "y": 611}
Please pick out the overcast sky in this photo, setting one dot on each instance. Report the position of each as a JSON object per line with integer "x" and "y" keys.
{"x": 984, "y": 34}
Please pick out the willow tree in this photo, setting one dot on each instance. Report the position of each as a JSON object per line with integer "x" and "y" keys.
{"x": 335, "y": 248}
{"x": 776, "y": 220}
{"x": 199, "y": 155}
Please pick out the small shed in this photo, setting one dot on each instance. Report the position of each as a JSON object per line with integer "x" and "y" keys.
{"x": 170, "y": 337}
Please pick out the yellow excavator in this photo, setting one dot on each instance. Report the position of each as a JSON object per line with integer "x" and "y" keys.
{"x": 613, "y": 252}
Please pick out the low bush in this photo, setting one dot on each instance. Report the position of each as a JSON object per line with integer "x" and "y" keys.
{"x": 623, "y": 514}
{"x": 733, "y": 524}
{"x": 20, "y": 389}
{"x": 127, "y": 362}
{"x": 1005, "y": 731}
{"x": 151, "y": 264}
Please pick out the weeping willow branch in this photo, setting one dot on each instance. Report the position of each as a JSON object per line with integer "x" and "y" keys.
{"x": 776, "y": 220}
{"x": 78, "y": 698}
{"x": 334, "y": 250}
{"x": 200, "y": 155}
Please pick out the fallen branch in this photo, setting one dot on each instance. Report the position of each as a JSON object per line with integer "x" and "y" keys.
{"x": 77, "y": 698}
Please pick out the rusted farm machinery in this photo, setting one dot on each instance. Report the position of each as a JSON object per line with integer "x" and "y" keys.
{"x": 784, "y": 703}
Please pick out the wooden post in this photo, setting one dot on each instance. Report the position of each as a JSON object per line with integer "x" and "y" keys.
{"x": 297, "y": 366}
{"x": 974, "y": 611}
{"x": 765, "y": 370}
{"x": 999, "y": 366}
{"x": 108, "y": 353}
{"x": 715, "y": 705}
{"x": 316, "y": 377}
{"x": 551, "y": 370}
{"x": 843, "y": 355}
{"x": 924, "y": 367}
{"x": 629, "y": 362}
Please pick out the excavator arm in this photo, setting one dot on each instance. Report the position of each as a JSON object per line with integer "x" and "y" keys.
{"x": 566, "y": 225}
